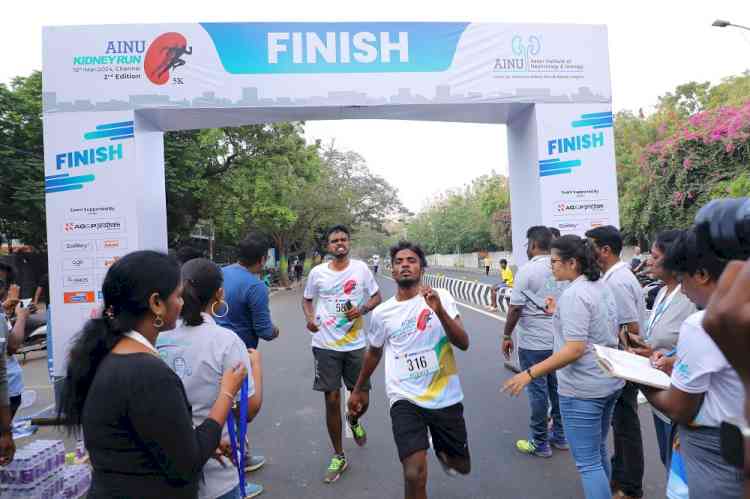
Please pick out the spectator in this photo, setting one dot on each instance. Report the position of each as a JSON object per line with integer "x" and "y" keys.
{"x": 584, "y": 316}
{"x": 627, "y": 461}
{"x": 506, "y": 282}
{"x": 187, "y": 253}
{"x": 15, "y": 319}
{"x": 555, "y": 232}
{"x": 671, "y": 308}
{"x": 246, "y": 296}
{"x": 7, "y": 447}
{"x": 535, "y": 336}
{"x": 705, "y": 390}
{"x": 637, "y": 259}
{"x": 199, "y": 351}
{"x": 132, "y": 408}
{"x": 487, "y": 264}
{"x": 299, "y": 267}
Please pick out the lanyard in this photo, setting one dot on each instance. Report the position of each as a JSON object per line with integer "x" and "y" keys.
{"x": 136, "y": 336}
{"x": 237, "y": 436}
{"x": 660, "y": 309}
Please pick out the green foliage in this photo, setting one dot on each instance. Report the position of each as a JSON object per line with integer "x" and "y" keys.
{"x": 695, "y": 147}
{"x": 21, "y": 161}
{"x": 466, "y": 220}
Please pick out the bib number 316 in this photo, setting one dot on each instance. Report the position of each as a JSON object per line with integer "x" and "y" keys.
{"x": 417, "y": 364}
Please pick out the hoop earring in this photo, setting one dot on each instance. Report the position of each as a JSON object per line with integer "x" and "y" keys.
{"x": 158, "y": 322}
{"x": 213, "y": 311}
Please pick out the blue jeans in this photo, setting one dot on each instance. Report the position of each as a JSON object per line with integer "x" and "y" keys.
{"x": 542, "y": 392}
{"x": 586, "y": 423}
{"x": 664, "y": 438}
{"x": 232, "y": 494}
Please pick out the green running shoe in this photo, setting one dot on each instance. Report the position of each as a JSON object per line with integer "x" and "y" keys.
{"x": 528, "y": 447}
{"x": 336, "y": 469}
{"x": 358, "y": 430}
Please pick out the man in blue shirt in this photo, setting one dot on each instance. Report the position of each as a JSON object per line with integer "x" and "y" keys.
{"x": 246, "y": 311}
{"x": 246, "y": 295}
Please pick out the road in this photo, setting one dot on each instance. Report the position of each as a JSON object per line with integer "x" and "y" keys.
{"x": 290, "y": 430}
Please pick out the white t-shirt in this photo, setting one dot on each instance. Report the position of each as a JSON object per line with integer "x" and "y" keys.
{"x": 199, "y": 355}
{"x": 702, "y": 368}
{"x": 419, "y": 362}
{"x": 332, "y": 290}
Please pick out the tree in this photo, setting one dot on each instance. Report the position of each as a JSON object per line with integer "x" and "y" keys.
{"x": 22, "y": 214}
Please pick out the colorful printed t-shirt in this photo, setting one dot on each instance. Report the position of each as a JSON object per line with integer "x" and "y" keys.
{"x": 333, "y": 290}
{"x": 419, "y": 362}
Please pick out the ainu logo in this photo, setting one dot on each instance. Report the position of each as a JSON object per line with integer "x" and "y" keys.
{"x": 165, "y": 54}
{"x": 522, "y": 51}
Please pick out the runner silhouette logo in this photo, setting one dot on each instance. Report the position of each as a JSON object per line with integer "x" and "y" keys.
{"x": 164, "y": 55}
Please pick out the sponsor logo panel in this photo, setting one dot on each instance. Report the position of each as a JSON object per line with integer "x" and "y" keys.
{"x": 74, "y": 297}
{"x": 78, "y": 245}
{"x": 111, "y": 244}
{"x": 78, "y": 263}
{"x": 113, "y": 225}
{"x": 77, "y": 281}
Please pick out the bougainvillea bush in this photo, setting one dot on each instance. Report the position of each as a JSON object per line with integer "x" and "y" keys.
{"x": 707, "y": 156}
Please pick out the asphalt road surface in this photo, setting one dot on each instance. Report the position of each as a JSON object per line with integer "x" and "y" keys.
{"x": 290, "y": 430}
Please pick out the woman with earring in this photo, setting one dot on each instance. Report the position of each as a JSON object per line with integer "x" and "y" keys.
{"x": 133, "y": 409}
{"x": 199, "y": 351}
{"x": 584, "y": 316}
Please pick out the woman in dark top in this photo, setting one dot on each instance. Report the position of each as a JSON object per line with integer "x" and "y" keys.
{"x": 133, "y": 409}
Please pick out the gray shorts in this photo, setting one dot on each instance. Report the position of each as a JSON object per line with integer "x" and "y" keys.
{"x": 331, "y": 366}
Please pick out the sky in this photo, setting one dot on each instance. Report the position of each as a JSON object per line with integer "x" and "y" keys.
{"x": 653, "y": 46}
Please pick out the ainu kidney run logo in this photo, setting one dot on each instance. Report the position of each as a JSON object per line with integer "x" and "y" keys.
{"x": 165, "y": 54}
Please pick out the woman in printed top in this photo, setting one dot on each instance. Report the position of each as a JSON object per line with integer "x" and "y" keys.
{"x": 705, "y": 390}
{"x": 132, "y": 408}
{"x": 584, "y": 316}
{"x": 199, "y": 351}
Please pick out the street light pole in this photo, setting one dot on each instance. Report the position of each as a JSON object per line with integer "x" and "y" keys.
{"x": 720, "y": 23}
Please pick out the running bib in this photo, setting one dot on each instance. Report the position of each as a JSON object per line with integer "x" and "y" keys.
{"x": 415, "y": 365}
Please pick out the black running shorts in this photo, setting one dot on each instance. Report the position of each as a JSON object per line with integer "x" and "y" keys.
{"x": 447, "y": 427}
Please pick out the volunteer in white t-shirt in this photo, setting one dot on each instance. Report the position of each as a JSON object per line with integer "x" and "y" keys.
{"x": 199, "y": 351}
{"x": 417, "y": 330}
{"x": 337, "y": 296}
{"x": 705, "y": 389}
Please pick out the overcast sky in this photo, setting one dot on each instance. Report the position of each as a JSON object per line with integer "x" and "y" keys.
{"x": 653, "y": 46}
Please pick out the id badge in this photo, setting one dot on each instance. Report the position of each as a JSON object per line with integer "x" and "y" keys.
{"x": 415, "y": 365}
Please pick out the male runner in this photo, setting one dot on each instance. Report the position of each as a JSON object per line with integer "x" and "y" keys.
{"x": 337, "y": 322}
{"x": 417, "y": 328}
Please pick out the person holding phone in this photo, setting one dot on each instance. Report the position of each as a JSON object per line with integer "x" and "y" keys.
{"x": 584, "y": 316}
{"x": 16, "y": 316}
{"x": 337, "y": 296}
{"x": 533, "y": 328}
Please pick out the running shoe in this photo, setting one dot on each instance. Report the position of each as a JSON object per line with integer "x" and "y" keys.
{"x": 560, "y": 444}
{"x": 360, "y": 435}
{"x": 253, "y": 490}
{"x": 443, "y": 460}
{"x": 253, "y": 463}
{"x": 337, "y": 468}
{"x": 528, "y": 447}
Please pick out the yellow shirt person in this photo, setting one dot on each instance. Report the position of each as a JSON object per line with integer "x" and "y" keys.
{"x": 507, "y": 275}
